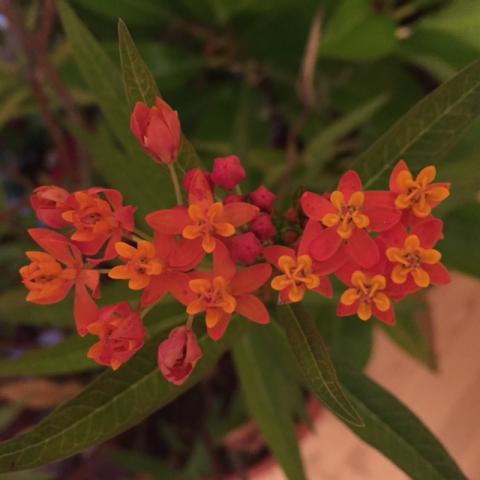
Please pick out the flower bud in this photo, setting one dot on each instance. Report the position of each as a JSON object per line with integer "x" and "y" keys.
{"x": 187, "y": 179}
{"x": 291, "y": 215}
{"x": 263, "y": 198}
{"x": 263, "y": 227}
{"x": 228, "y": 172}
{"x": 178, "y": 355}
{"x": 289, "y": 237}
{"x": 157, "y": 129}
{"x": 49, "y": 203}
{"x": 245, "y": 248}
{"x": 233, "y": 198}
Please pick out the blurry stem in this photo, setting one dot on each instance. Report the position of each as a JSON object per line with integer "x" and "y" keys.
{"x": 176, "y": 183}
{"x": 142, "y": 235}
{"x": 189, "y": 321}
{"x": 103, "y": 270}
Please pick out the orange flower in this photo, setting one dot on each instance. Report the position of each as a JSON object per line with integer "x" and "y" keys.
{"x": 51, "y": 275}
{"x": 225, "y": 290}
{"x": 121, "y": 334}
{"x": 300, "y": 273}
{"x": 49, "y": 203}
{"x": 366, "y": 297}
{"x": 205, "y": 221}
{"x": 97, "y": 220}
{"x": 419, "y": 195}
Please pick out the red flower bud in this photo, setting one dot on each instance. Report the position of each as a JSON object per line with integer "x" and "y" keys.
{"x": 157, "y": 129}
{"x": 289, "y": 237}
{"x": 291, "y": 215}
{"x": 232, "y": 198}
{"x": 245, "y": 248}
{"x": 49, "y": 203}
{"x": 263, "y": 198}
{"x": 187, "y": 179}
{"x": 263, "y": 227}
{"x": 178, "y": 355}
{"x": 228, "y": 172}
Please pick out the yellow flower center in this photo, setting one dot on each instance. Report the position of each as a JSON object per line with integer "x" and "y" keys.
{"x": 409, "y": 260}
{"x": 366, "y": 291}
{"x": 213, "y": 297}
{"x": 349, "y": 215}
{"x": 207, "y": 222}
{"x": 297, "y": 275}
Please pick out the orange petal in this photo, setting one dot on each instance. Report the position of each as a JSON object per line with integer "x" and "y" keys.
{"x": 364, "y": 310}
{"x": 430, "y": 256}
{"x": 426, "y": 175}
{"x": 337, "y": 199}
{"x": 125, "y": 250}
{"x": 382, "y": 302}
{"x": 412, "y": 243}
{"x": 120, "y": 272}
{"x": 349, "y": 296}
{"x": 421, "y": 277}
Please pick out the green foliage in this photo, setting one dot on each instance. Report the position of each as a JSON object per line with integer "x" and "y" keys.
{"x": 111, "y": 404}
{"x": 263, "y": 386}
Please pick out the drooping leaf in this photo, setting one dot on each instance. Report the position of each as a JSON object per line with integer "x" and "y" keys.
{"x": 394, "y": 430}
{"x": 315, "y": 362}
{"x": 260, "y": 379}
{"x": 111, "y": 404}
{"x": 428, "y": 130}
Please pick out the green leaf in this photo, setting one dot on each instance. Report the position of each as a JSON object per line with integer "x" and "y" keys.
{"x": 133, "y": 173}
{"x": 413, "y": 330}
{"x": 70, "y": 356}
{"x": 138, "y": 81}
{"x": 111, "y": 404}
{"x": 428, "y": 130}
{"x": 313, "y": 357}
{"x": 394, "y": 430}
{"x": 259, "y": 378}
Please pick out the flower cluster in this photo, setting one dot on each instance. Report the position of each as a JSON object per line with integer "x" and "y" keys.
{"x": 215, "y": 253}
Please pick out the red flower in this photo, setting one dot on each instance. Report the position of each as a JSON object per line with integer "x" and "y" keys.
{"x": 263, "y": 227}
{"x": 414, "y": 263}
{"x": 366, "y": 296}
{"x": 49, "y": 203}
{"x": 97, "y": 220}
{"x": 157, "y": 129}
{"x": 225, "y": 290}
{"x": 178, "y": 355}
{"x": 245, "y": 248}
{"x": 347, "y": 215}
{"x": 187, "y": 179}
{"x": 417, "y": 196}
{"x": 205, "y": 221}
{"x": 263, "y": 198}
{"x": 300, "y": 272}
{"x": 52, "y": 274}
{"x": 228, "y": 172}
{"x": 121, "y": 334}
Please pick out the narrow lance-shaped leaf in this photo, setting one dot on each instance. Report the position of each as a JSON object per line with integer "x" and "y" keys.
{"x": 257, "y": 370}
{"x": 111, "y": 404}
{"x": 395, "y": 431}
{"x": 428, "y": 130}
{"x": 312, "y": 355}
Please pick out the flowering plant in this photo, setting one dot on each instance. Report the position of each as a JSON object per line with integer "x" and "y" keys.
{"x": 244, "y": 264}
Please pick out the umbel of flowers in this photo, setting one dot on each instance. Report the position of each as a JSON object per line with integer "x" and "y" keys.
{"x": 220, "y": 253}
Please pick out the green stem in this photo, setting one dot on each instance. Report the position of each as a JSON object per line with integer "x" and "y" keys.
{"x": 176, "y": 183}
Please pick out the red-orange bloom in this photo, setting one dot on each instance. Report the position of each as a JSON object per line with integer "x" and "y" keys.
{"x": 226, "y": 290}
{"x": 49, "y": 203}
{"x": 52, "y": 274}
{"x": 418, "y": 195}
{"x": 97, "y": 220}
{"x": 300, "y": 273}
{"x": 121, "y": 334}
{"x": 414, "y": 263}
{"x": 347, "y": 215}
{"x": 205, "y": 221}
{"x": 157, "y": 129}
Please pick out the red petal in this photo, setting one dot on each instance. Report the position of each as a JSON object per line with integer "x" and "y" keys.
{"x": 187, "y": 254}
{"x": 326, "y": 244}
{"x": 170, "y": 222}
{"x": 382, "y": 218}
{"x": 332, "y": 264}
{"x": 347, "y": 310}
{"x": 387, "y": 317}
{"x": 429, "y": 231}
{"x": 273, "y": 253}
{"x": 250, "y": 307}
{"x": 84, "y": 308}
{"x": 363, "y": 249}
{"x": 199, "y": 190}
{"x": 126, "y": 217}
{"x": 379, "y": 199}
{"x": 325, "y": 288}
{"x": 350, "y": 183}
{"x": 311, "y": 231}
{"x": 395, "y": 236}
{"x": 401, "y": 165}
{"x": 217, "y": 332}
{"x": 57, "y": 245}
{"x": 250, "y": 279}
{"x": 438, "y": 273}
{"x": 156, "y": 290}
{"x": 316, "y": 206}
{"x": 238, "y": 213}
{"x": 223, "y": 264}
